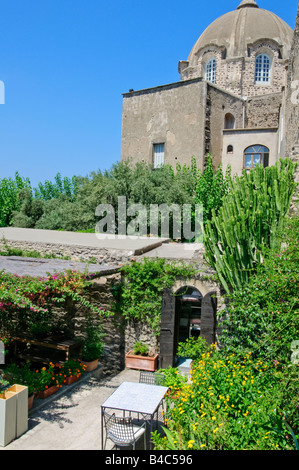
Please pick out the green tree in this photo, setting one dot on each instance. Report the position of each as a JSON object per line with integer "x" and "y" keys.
{"x": 9, "y": 196}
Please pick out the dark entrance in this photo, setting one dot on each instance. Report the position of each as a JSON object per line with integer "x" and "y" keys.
{"x": 185, "y": 313}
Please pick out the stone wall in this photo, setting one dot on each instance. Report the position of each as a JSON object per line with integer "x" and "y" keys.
{"x": 237, "y": 74}
{"x": 75, "y": 253}
{"x": 263, "y": 111}
{"x": 291, "y": 138}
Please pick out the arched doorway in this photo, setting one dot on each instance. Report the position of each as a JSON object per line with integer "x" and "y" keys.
{"x": 187, "y": 310}
{"x": 187, "y": 314}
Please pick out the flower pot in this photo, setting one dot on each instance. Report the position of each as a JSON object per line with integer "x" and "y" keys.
{"x": 148, "y": 363}
{"x": 70, "y": 380}
{"x": 30, "y": 401}
{"x": 47, "y": 392}
{"x": 90, "y": 365}
{"x": 8, "y": 417}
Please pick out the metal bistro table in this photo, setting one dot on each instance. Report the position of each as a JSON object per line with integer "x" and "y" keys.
{"x": 136, "y": 398}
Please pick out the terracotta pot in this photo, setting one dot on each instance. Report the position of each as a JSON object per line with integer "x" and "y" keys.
{"x": 148, "y": 363}
{"x": 70, "y": 380}
{"x": 47, "y": 392}
{"x": 30, "y": 401}
{"x": 90, "y": 365}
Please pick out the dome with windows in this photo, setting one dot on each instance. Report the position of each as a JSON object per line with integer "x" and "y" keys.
{"x": 236, "y": 31}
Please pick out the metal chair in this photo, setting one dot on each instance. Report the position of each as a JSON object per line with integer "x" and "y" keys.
{"x": 122, "y": 432}
{"x": 153, "y": 378}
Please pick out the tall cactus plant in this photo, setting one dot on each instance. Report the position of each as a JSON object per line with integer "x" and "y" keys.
{"x": 252, "y": 217}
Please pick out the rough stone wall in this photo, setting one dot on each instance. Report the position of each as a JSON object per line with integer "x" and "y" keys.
{"x": 278, "y": 74}
{"x": 237, "y": 75}
{"x": 75, "y": 253}
{"x": 263, "y": 111}
{"x": 290, "y": 142}
{"x": 292, "y": 96}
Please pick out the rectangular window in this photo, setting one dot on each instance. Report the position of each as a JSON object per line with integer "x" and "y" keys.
{"x": 158, "y": 155}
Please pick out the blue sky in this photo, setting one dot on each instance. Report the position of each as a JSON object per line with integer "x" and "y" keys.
{"x": 66, "y": 63}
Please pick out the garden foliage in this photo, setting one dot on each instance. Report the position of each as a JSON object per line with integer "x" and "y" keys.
{"x": 244, "y": 396}
{"x": 252, "y": 217}
{"x": 70, "y": 203}
{"x": 139, "y": 297}
{"x": 26, "y": 302}
{"x": 231, "y": 404}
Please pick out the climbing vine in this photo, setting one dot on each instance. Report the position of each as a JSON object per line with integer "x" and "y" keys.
{"x": 140, "y": 294}
{"x": 27, "y": 297}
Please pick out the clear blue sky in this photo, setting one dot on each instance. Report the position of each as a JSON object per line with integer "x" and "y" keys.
{"x": 66, "y": 63}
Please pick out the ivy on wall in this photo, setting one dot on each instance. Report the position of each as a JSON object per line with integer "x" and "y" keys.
{"x": 140, "y": 293}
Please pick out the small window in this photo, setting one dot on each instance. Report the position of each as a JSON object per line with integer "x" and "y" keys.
{"x": 211, "y": 67}
{"x": 256, "y": 155}
{"x": 230, "y": 149}
{"x": 262, "y": 69}
{"x": 158, "y": 155}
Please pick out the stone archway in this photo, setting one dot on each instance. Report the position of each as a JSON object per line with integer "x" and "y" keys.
{"x": 170, "y": 327}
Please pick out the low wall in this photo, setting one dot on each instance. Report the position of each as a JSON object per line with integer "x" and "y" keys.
{"x": 75, "y": 253}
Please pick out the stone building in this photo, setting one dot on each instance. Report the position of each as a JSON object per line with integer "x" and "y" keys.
{"x": 228, "y": 102}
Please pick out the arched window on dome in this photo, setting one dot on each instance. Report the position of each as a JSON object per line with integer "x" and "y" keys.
{"x": 256, "y": 155}
{"x": 211, "y": 67}
{"x": 262, "y": 69}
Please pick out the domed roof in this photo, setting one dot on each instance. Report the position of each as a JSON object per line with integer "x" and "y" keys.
{"x": 245, "y": 25}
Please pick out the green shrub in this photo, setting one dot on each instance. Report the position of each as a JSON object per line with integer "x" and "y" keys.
{"x": 139, "y": 297}
{"x": 230, "y": 404}
{"x": 252, "y": 217}
{"x": 192, "y": 347}
{"x": 262, "y": 317}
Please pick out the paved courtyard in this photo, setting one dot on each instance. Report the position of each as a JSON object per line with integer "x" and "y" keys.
{"x": 71, "y": 421}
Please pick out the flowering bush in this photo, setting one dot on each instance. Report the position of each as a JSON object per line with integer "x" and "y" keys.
{"x": 229, "y": 405}
{"x": 72, "y": 368}
{"x": 29, "y": 300}
{"x": 48, "y": 377}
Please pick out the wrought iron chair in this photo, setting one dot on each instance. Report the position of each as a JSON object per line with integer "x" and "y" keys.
{"x": 153, "y": 378}
{"x": 122, "y": 432}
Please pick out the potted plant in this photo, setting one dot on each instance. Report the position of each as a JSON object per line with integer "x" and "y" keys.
{"x": 23, "y": 375}
{"x": 92, "y": 347}
{"x": 140, "y": 358}
{"x": 49, "y": 380}
{"x": 72, "y": 371}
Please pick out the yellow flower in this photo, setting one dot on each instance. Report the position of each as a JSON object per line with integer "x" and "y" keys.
{"x": 190, "y": 443}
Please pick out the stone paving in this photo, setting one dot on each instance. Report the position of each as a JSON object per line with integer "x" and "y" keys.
{"x": 71, "y": 420}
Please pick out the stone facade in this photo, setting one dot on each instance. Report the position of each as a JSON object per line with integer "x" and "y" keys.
{"x": 149, "y": 118}
{"x": 189, "y": 117}
{"x": 237, "y": 74}
{"x": 290, "y": 130}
